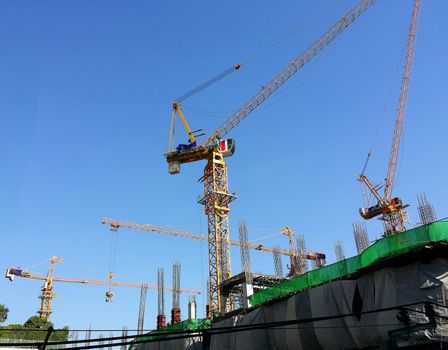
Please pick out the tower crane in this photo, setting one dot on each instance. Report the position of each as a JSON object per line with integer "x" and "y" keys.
{"x": 295, "y": 258}
{"x": 47, "y": 294}
{"x": 389, "y": 208}
{"x": 292, "y": 252}
{"x": 217, "y": 198}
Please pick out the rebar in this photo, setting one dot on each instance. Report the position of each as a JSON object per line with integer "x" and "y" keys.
{"x": 141, "y": 309}
{"x": 88, "y": 335}
{"x": 244, "y": 246}
{"x": 278, "y": 266}
{"x": 124, "y": 334}
{"x": 160, "y": 291}
{"x": 176, "y": 284}
{"x": 360, "y": 235}
{"x": 175, "y": 311}
{"x": 425, "y": 209}
{"x": 339, "y": 250}
{"x": 301, "y": 250}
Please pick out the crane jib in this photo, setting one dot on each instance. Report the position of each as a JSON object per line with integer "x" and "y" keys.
{"x": 289, "y": 71}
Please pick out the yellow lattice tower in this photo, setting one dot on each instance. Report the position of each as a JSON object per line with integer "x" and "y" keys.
{"x": 47, "y": 291}
{"x": 217, "y": 207}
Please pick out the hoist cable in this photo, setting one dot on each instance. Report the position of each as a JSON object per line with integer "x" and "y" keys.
{"x": 252, "y": 57}
{"x": 290, "y": 33}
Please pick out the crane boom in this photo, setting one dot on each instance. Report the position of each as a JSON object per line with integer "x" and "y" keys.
{"x": 391, "y": 209}
{"x": 289, "y": 71}
{"x": 16, "y": 272}
{"x": 47, "y": 294}
{"x": 401, "y": 110}
{"x": 121, "y": 284}
{"x": 116, "y": 224}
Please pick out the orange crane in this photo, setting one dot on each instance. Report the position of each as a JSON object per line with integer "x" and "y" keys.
{"x": 292, "y": 252}
{"x": 389, "y": 208}
{"x": 217, "y": 198}
{"x": 47, "y": 289}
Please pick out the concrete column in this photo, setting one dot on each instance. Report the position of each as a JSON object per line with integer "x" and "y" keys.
{"x": 248, "y": 290}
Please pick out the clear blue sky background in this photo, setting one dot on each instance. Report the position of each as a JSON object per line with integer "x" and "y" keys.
{"x": 85, "y": 94}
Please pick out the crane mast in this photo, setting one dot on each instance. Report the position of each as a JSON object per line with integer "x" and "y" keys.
{"x": 295, "y": 263}
{"x": 217, "y": 198}
{"x": 391, "y": 209}
{"x": 47, "y": 290}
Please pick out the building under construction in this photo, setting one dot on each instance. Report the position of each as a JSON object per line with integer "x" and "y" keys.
{"x": 393, "y": 294}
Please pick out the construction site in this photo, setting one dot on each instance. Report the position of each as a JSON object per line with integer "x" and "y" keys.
{"x": 300, "y": 205}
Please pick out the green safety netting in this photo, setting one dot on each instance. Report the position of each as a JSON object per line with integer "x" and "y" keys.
{"x": 385, "y": 247}
{"x": 194, "y": 324}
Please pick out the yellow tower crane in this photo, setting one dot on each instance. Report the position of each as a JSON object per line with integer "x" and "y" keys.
{"x": 295, "y": 258}
{"x": 291, "y": 253}
{"x": 47, "y": 289}
{"x": 217, "y": 198}
{"x": 389, "y": 208}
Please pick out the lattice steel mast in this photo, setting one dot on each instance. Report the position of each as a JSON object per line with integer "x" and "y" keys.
{"x": 47, "y": 290}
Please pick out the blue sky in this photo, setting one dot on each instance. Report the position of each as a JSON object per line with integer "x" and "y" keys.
{"x": 85, "y": 101}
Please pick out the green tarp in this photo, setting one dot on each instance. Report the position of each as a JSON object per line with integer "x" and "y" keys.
{"x": 385, "y": 247}
{"x": 192, "y": 325}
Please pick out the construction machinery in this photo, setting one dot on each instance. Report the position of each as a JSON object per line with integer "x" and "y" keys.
{"x": 47, "y": 294}
{"x": 319, "y": 257}
{"x": 47, "y": 289}
{"x": 217, "y": 198}
{"x": 390, "y": 208}
{"x": 296, "y": 258}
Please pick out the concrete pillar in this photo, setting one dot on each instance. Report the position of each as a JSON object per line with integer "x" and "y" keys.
{"x": 248, "y": 290}
{"x": 192, "y": 310}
